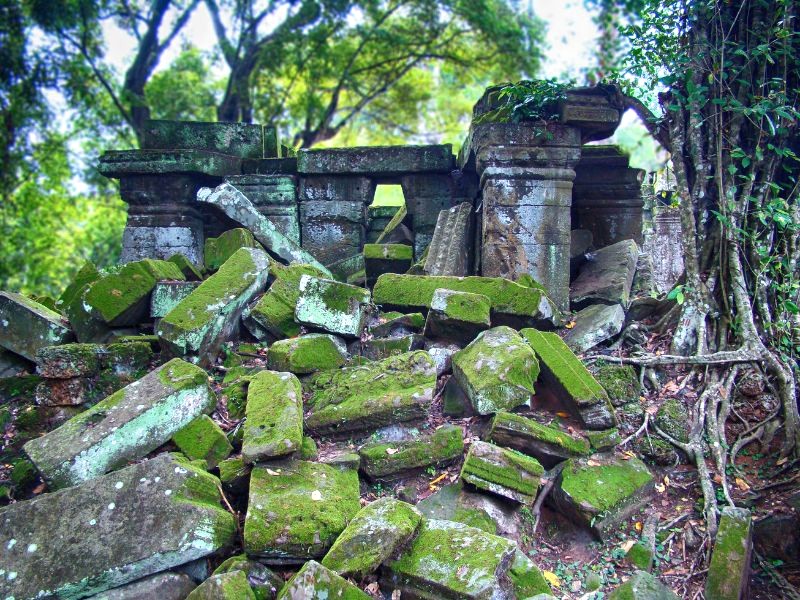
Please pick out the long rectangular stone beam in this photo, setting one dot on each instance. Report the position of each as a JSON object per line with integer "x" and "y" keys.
{"x": 377, "y": 160}
{"x": 246, "y": 140}
{"x": 119, "y": 163}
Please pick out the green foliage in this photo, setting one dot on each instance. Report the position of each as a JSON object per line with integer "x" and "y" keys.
{"x": 528, "y": 101}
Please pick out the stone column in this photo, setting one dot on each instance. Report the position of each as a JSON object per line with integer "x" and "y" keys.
{"x": 426, "y": 196}
{"x": 665, "y": 246}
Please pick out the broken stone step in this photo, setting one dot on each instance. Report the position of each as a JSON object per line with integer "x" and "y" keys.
{"x": 450, "y": 250}
{"x": 729, "y": 572}
{"x": 593, "y": 325}
{"x": 203, "y": 439}
{"x": 572, "y": 383}
{"x": 125, "y": 426}
{"x": 496, "y": 371}
{"x": 386, "y": 258}
{"x": 26, "y": 326}
{"x": 307, "y": 354}
{"x": 168, "y": 294}
{"x": 105, "y": 533}
{"x": 607, "y": 276}
{"x": 232, "y": 585}
{"x": 504, "y": 472}
{"x": 392, "y": 460}
{"x": 379, "y": 530}
{"x": 547, "y": 444}
{"x": 332, "y": 306}
{"x": 399, "y": 388}
{"x": 273, "y": 425}
{"x": 315, "y": 582}
{"x": 219, "y": 249}
{"x": 207, "y": 317}
{"x": 458, "y": 316}
{"x": 297, "y": 509}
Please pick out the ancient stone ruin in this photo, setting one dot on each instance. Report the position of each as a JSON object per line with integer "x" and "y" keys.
{"x": 284, "y": 391}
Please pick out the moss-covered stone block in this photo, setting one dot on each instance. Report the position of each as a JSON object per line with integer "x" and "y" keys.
{"x": 573, "y": 384}
{"x": 86, "y": 275}
{"x": 504, "y": 472}
{"x": 344, "y": 461}
{"x": 386, "y": 258}
{"x": 381, "y": 529}
{"x": 263, "y": 581}
{"x": 244, "y": 140}
{"x": 394, "y": 323}
{"x": 672, "y": 418}
{"x": 234, "y": 473}
{"x": 397, "y": 459}
{"x": 219, "y": 249}
{"x": 315, "y": 582}
{"x": 297, "y": 509}
{"x": 207, "y": 317}
{"x": 307, "y": 354}
{"x": 643, "y": 586}
{"x": 729, "y": 571}
{"x": 602, "y": 491}
{"x": 332, "y": 306}
{"x": 187, "y": 267}
{"x": 308, "y": 449}
{"x": 496, "y": 371}
{"x": 640, "y": 556}
{"x": 69, "y": 360}
{"x": 380, "y": 348}
{"x": 370, "y": 396}
{"x": 202, "y": 439}
{"x": 125, "y": 426}
{"x": 457, "y": 315}
{"x": 604, "y": 440}
{"x": 548, "y": 444}
{"x": 620, "y": 382}
{"x": 118, "y": 528}
{"x": 63, "y": 392}
{"x": 526, "y": 577}
{"x": 26, "y": 326}
{"x": 232, "y": 585}
{"x": 235, "y": 397}
{"x": 167, "y": 295}
{"x": 274, "y": 417}
{"x": 127, "y": 358}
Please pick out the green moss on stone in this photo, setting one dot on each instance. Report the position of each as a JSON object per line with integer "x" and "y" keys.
{"x": 620, "y": 382}
{"x": 86, "y": 275}
{"x": 604, "y": 440}
{"x": 379, "y": 460}
{"x": 729, "y": 570}
{"x": 519, "y": 426}
{"x": 274, "y": 416}
{"x": 673, "y": 419}
{"x": 306, "y": 354}
{"x": 187, "y": 267}
{"x": 308, "y": 448}
{"x": 315, "y": 582}
{"x": 218, "y": 250}
{"x": 263, "y": 581}
{"x": 235, "y": 396}
{"x": 232, "y": 469}
{"x": 232, "y": 585}
{"x": 388, "y": 252}
{"x": 526, "y": 577}
{"x": 462, "y": 306}
{"x": 179, "y": 374}
{"x": 203, "y": 439}
{"x": 640, "y": 556}
{"x": 505, "y": 472}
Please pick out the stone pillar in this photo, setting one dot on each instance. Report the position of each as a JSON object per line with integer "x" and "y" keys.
{"x": 275, "y": 197}
{"x": 665, "y": 246}
{"x": 607, "y": 196}
{"x": 426, "y": 196}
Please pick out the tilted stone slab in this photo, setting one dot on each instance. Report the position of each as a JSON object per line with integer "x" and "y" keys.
{"x": 450, "y": 251}
{"x": 457, "y": 315}
{"x": 307, "y": 353}
{"x": 570, "y": 380}
{"x": 377, "y": 160}
{"x": 168, "y": 294}
{"x": 236, "y": 206}
{"x": 297, "y": 509}
{"x": 219, "y": 249}
{"x": 274, "y": 423}
{"x": 593, "y": 325}
{"x": 452, "y": 560}
{"x": 607, "y": 277}
{"x": 496, "y": 371}
{"x": 126, "y": 426}
{"x": 208, "y": 316}
{"x": 391, "y": 460}
{"x": 122, "y": 163}
{"x": 547, "y": 444}
{"x": 203, "y": 439}
{"x": 504, "y": 472}
{"x": 245, "y": 140}
{"x": 511, "y": 302}
{"x": 381, "y": 529}
{"x": 729, "y": 571}
{"x": 315, "y": 582}
{"x": 399, "y": 388}
{"x": 335, "y": 307}
{"x": 104, "y": 533}
{"x": 26, "y": 326}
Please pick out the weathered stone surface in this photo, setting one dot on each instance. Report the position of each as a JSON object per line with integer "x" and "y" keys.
{"x": 274, "y": 423}
{"x": 219, "y": 249}
{"x": 394, "y": 324}
{"x": 380, "y": 348}
{"x": 601, "y": 493}
{"x": 203, "y": 439}
{"x": 507, "y": 473}
{"x": 144, "y": 519}
{"x": 26, "y": 326}
{"x": 386, "y": 258}
{"x": 452, "y": 560}
{"x": 450, "y": 251}
{"x": 390, "y": 460}
{"x": 607, "y": 277}
{"x": 527, "y": 579}
{"x": 245, "y": 140}
{"x": 643, "y": 586}
{"x": 335, "y": 307}
{"x": 496, "y": 371}
{"x": 511, "y": 302}
{"x": 63, "y": 392}
{"x": 69, "y": 360}
{"x": 297, "y": 509}
{"x": 275, "y": 197}
{"x": 263, "y": 581}
{"x": 620, "y": 382}
{"x": 125, "y": 426}
{"x": 237, "y": 207}
{"x": 122, "y": 163}
{"x": 545, "y": 443}
{"x": 207, "y": 317}
{"x": 164, "y": 586}
{"x": 315, "y": 582}
{"x": 459, "y": 316}
{"x": 168, "y": 294}
{"x": 377, "y": 160}
{"x": 381, "y": 529}
{"x": 225, "y": 586}
{"x": 396, "y": 389}
{"x": 729, "y": 571}
{"x": 572, "y": 383}
{"x": 307, "y": 354}
{"x": 604, "y": 439}
{"x": 593, "y": 325}
{"x": 190, "y": 271}
{"x": 665, "y": 246}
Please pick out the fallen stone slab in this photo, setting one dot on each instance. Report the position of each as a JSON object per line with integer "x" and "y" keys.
{"x": 435, "y": 158}
{"x": 510, "y": 302}
{"x": 307, "y": 354}
{"x": 219, "y": 249}
{"x": 601, "y": 491}
{"x": 332, "y": 306}
{"x": 297, "y": 509}
{"x": 504, "y": 472}
{"x": 392, "y": 460}
{"x": 207, "y": 317}
{"x": 274, "y": 416}
{"x": 203, "y": 439}
{"x": 69, "y": 360}
{"x": 593, "y": 325}
{"x": 458, "y": 316}
{"x": 729, "y": 572}
{"x": 125, "y": 426}
{"x": 115, "y": 529}
{"x": 26, "y": 326}
{"x": 496, "y": 371}
{"x": 187, "y": 267}
{"x": 547, "y": 444}
{"x": 168, "y": 294}
{"x": 643, "y": 586}
{"x": 386, "y": 258}
{"x": 571, "y": 382}
{"x": 263, "y": 581}
{"x": 450, "y": 250}
{"x": 399, "y": 388}
{"x": 381, "y": 529}
{"x": 607, "y": 276}
{"x": 452, "y": 560}
{"x": 315, "y": 582}
{"x": 164, "y": 586}
{"x": 225, "y": 586}
{"x": 236, "y": 206}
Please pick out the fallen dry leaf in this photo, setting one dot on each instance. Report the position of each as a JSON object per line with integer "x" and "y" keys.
{"x": 271, "y": 472}
{"x": 742, "y": 484}
{"x": 552, "y": 578}
{"x": 638, "y": 526}
{"x": 391, "y": 451}
{"x": 316, "y": 495}
{"x": 570, "y": 325}
{"x": 627, "y": 545}
{"x": 562, "y": 414}
{"x": 592, "y": 463}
